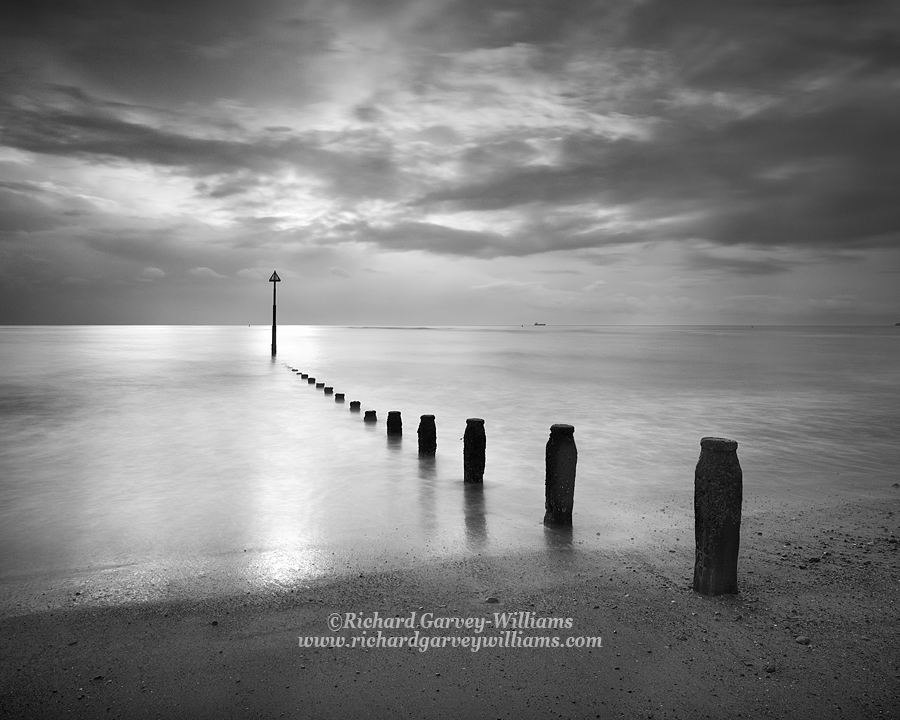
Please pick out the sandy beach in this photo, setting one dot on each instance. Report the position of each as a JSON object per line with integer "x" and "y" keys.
{"x": 813, "y": 633}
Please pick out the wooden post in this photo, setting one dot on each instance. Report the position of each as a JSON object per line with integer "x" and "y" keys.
{"x": 394, "y": 423}
{"x": 561, "y": 456}
{"x": 718, "y": 489}
{"x": 474, "y": 443}
{"x": 427, "y": 436}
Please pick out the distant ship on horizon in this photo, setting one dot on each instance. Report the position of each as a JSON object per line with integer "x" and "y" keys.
{"x": 540, "y": 324}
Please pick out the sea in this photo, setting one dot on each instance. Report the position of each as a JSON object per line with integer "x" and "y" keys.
{"x": 153, "y": 462}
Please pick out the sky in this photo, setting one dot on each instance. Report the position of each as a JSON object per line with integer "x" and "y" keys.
{"x": 450, "y": 162}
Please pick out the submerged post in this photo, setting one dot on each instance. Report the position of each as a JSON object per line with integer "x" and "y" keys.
{"x": 274, "y": 279}
{"x": 474, "y": 443}
{"x": 561, "y": 456}
{"x": 718, "y": 484}
{"x": 427, "y": 435}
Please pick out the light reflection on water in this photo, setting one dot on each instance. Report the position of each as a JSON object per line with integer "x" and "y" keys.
{"x": 185, "y": 447}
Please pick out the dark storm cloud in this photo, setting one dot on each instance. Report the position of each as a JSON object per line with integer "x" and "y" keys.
{"x": 767, "y": 44}
{"x": 470, "y": 128}
{"x": 776, "y": 126}
{"x": 94, "y": 129}
{"x": 699, "y": 260}
{"x": 825, "y": 178}
{"x": 538, "y": 236}
{"x": 21, "y": 209}
{"x": 168, "y": 51}
{"x": 430, "y": 237}
{"x": 27, "y": 207}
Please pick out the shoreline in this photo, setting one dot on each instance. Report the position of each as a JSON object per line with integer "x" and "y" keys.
{"x": 666, "y": 652}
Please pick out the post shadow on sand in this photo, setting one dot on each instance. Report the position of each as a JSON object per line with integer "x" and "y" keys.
{"x": 475, "y": 518}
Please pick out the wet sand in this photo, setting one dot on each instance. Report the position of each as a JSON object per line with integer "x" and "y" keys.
{"x": 827, "y": 574}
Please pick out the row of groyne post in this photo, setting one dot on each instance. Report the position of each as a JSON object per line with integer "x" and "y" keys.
{"x": 718, "y": 486}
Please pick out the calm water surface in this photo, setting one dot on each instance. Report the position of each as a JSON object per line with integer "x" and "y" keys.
{"x": 167, "y": 450}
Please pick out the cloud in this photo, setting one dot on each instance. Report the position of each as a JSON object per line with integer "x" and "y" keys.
{"x": 507, "y": 285}
{"x": 264, "y": 273}
{"x": 790, "y": 309}
{"x": 544, "y": 271}
{"x": 254, "y": 273}
{"x": 149, "y": 274}
{"x": 429, "y": 237}
{"x": 700, "y": 260}
{"x": 474, "y": 138}
{"x": 525, "y": 128}
{"x": 205, "y": 272}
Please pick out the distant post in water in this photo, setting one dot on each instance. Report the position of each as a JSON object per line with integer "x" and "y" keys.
{"x": 394, "y": 423}
{"x": 561, "y": 457}
{"x": 274, "y": 279}
{"x": 474, "y": 443}
{"x": 718, "y": 487}
{"x": 427, "y": 436}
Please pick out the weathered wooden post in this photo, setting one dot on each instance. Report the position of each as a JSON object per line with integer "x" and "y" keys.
{"x": 370, "y": 416}
{"x": 394, "y": 423}
{"x": 339, "y": 397}
{"x": 718, "y": 489}
{"x": 427, "y": 436}
{"x": 355, "y": 406}
{"x": 561, "y": 456}
{"x": 474, "y": 443}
